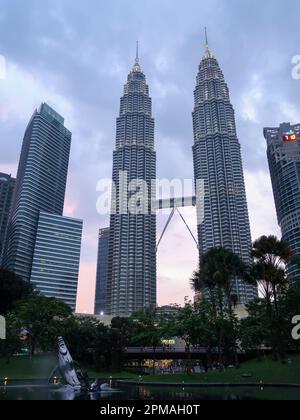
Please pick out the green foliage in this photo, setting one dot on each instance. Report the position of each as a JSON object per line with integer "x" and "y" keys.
{"x": 44, "y": 318}
{"x": 267, "y": 328}
{"x": 218, "y": 267}
{"x": 148, "y": 331}
{"x": 271, "y": 257}
{"x": 80, "y": 336}
{"x": 93, "y": 344}
{"x": 12, "y": 289}
{"x": 12, "y": 344}
{"x": 254, "y": 330}
{"x": 210, "y": 324}
{"x": 121, "y": 336}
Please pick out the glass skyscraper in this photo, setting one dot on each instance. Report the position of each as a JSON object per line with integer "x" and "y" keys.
{"x": 131, "y": 283}
{"x": 56, "y": 257}
{"x": 7, "y": 185}
{"x": 40, "y": 186}
{"x": 218, "y": 163}
{"x": 283, "y": 149}
{"x": 102, "y": 271}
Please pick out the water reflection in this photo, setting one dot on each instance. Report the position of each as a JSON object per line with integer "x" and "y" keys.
{"x": 39, "y": 391}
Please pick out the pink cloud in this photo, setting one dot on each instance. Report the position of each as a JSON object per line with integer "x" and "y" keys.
{"x": 86, "y": 288}
{"x": 69, "y": 209}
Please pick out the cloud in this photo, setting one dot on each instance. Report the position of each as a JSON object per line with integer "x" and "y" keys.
{"x": 261, "y": 204}
{"x": 251, "y": 103}
{"x": 21, "y": 92}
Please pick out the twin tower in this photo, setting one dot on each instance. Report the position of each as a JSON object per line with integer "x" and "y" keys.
{"x": 131, "y": 282}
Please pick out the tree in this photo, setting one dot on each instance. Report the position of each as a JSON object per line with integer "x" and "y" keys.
{"x": 44, "y": 318}
{"x": 255, "y": 331}
{"x": 12, "y": 344}
{"x": 271, "y": 257}
{"x": 103, "y": 347}
{"x": 148, "y": 331}
{"x": 94, "y": 344}
{"x": 80, "y": 336}
{"x": 12, "y": 289}
{"x": 289, "y": 305}
{"x": 185, "y": 325}
{"x": 195, "y": 324}
{"x": 218, "y": 268}
{"x": 121, "y": 336}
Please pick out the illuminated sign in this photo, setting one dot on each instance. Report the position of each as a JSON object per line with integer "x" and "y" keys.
{"x": 291, "y": 137}
{"x": 168, "y": 342}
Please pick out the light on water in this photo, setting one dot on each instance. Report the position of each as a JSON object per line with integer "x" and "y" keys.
{"x": 21, "y": 390}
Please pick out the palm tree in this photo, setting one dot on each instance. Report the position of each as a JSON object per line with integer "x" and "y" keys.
{"x": 218, "y": 268}
{"x": 271, "y": 257}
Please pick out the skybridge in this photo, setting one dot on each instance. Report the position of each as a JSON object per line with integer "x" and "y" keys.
{"x": 175, "y": 204}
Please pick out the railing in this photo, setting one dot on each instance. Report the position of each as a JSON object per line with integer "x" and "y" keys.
{"x": 139, "y": 350}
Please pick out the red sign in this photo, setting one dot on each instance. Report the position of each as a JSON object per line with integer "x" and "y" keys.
{"x": 290, "y": 137}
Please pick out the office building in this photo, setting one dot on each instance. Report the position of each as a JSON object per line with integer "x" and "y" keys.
{"x": 56, "y": 257}
{"x": 7, "y": 185}
{"x": 40, "y": 186}
{"x": 102, "y": 271}
{"x": 283, "y": 150}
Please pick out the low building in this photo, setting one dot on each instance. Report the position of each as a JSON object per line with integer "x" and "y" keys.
{"x": 102, "y": 271}
{"x": 55, "y": 267}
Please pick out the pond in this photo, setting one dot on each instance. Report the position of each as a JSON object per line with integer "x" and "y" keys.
{"x": 35, "y": 390}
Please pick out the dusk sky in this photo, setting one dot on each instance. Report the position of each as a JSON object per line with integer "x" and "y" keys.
{"x": 76, "y": 56}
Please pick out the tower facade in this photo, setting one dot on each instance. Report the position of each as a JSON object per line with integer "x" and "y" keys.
{"x": 40, "y": 186}
{"x": 7, "y": 185}
{"x": 102, "y": 271}
{"x": 218, "y": 163}
{"x": 283, "y": 149}
{"x": 131, "y": 281}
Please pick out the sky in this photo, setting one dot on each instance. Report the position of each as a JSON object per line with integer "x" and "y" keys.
{"x": 76, "y": 55}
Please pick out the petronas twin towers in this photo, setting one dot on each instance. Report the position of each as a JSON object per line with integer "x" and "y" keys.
{"x": 131, "y": 282}
{"x": 131, "y": 278}
{"x": 218, "y": 161}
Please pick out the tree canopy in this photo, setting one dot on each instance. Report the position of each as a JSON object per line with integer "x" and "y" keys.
{"x": 12, "y": 289}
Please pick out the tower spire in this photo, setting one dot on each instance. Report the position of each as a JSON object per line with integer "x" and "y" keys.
{"x": 206, "y": 37}
{"x": 137, "y": 67}
{"x": 208, "y": 53}
{"x": 137, "y": 58}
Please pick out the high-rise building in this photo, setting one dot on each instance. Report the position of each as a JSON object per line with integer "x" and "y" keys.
{"x": 56, "y": 257}
{"x": 102, "y": 271}
{"x": 283, "y": 151}
{"x": 218, "y": 163}
{"x": 40, "y": 186}
{"x": 7, "y": 185}
{"x": 131, "y": 283}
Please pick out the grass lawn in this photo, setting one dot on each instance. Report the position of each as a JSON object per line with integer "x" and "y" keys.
{"x": 40, "y": 367}
{"x": 267, "y": 371}
{"x": 22, "y": 367}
